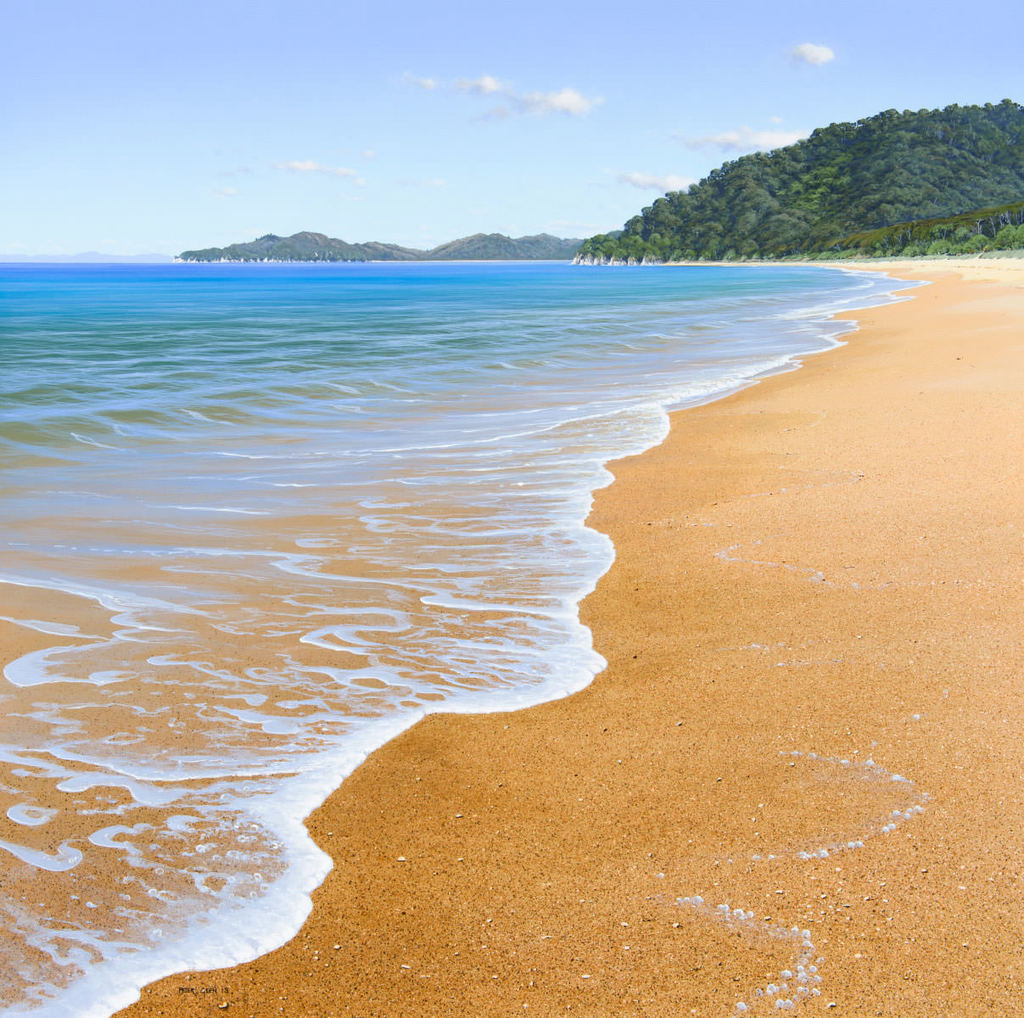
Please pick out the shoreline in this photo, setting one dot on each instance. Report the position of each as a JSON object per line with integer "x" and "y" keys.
{"x": 288, "y": 902}
{"x": 517, "y": 806}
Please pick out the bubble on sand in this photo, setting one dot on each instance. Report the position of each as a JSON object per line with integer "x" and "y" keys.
{"x": 804, "y": 952}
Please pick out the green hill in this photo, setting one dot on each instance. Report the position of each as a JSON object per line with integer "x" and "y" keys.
{"x": 496, "y": 246}
{"x": 843, "y": 181}
{"x": 300, "y": 247}
{"x": 317, "y": 247}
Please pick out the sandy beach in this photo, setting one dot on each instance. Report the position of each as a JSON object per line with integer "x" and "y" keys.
{"x": 811, "y": 720}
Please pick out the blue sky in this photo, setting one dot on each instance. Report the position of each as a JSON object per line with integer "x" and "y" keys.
{"x": 148, "y": 126}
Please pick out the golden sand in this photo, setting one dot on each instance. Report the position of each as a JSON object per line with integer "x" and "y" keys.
{"x": 828, "y": 563}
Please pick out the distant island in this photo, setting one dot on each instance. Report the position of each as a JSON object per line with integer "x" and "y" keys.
{"x": 318, "y": 247}
{"x": 930, "y": 182}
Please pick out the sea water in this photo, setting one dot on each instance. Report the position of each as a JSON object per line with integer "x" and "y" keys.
{"x": 257, "y": 519}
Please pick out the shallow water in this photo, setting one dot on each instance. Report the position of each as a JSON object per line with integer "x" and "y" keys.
{"x": 258, "y": 519}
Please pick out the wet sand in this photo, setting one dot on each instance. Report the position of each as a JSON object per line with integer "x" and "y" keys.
{"x": 827, "y": 563}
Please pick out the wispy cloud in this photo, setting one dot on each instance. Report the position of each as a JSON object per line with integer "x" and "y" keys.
{"x": 484, "y": 85}
{"x": 427, "y": 84}
{"x": 309, "y": 166}
{"x": 567, "y": 101}
{"x": 746, "y": 139}
{"x": 653, "y": 182}
{"x": 812, "y": 53}
{"x": 225, "y": 192}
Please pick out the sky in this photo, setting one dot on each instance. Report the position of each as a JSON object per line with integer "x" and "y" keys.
{"x": 138, "y": 126}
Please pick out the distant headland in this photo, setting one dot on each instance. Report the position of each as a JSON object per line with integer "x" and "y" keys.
{"x": 318, "y": 247}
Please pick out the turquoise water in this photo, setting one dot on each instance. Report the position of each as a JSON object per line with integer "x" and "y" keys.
{"x": 258, "y": 519}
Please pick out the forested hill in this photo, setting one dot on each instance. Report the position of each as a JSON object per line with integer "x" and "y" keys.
{"x": 494, "y": 246}
{"x": 844, "y": 179}
{"x": 300, "y": 247}
{"x": 318, "y": 247}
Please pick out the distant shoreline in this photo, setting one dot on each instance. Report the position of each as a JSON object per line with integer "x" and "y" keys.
{"x": 938, "y": 261}
{"x": 369, "y": 261}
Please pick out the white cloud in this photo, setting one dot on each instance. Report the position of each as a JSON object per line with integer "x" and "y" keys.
{"x": 309, "y": 166}
{"x": 812, "y": 53}
{"x": 568, "y": 101}
{"x": 427, "y": 84}
{"x": 225, "y": 192}
{"x": 652, "y": 182}
{"x": 745, "y": 139}
{"x": 484, "y": 85}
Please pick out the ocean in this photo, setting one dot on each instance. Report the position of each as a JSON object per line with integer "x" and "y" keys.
{"x": 257, "y": 519}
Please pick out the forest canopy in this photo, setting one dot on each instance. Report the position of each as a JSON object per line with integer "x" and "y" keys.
{"x": 840, "y": 190}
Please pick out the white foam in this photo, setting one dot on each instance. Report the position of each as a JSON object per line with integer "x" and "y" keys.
{"x": 65, "y": 858}
{"x": 30, "y": 816}
{"x": 144, "y": 793}
{"x": 214, "y": 509}
{"x": 47, "y": 627}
